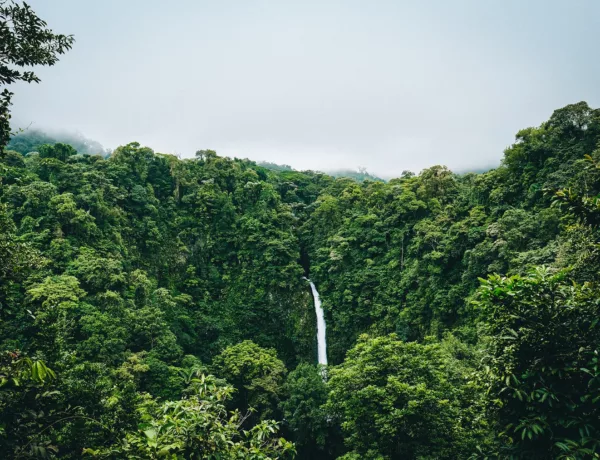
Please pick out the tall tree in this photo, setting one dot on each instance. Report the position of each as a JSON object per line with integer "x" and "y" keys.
{"x": 25, "y": 41}
{"x": 401, "y": 400}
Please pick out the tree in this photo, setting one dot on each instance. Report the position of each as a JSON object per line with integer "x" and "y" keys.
{"x": 400, "y": 400}
{"x": 543, "y": 363}
{"x": 256, "y": 373}
{"x": 197, "y": 426}
{"x": 25, "y": 41}
{"x": 304, "y": 411}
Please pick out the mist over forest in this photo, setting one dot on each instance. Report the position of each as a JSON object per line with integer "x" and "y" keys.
{"x": 29, "y": 139}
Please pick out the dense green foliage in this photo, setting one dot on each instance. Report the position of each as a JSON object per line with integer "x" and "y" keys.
{"x": 543, "y": 363}
{"x": 257, "y": 374}
{"x": 123, "y": 274}
{"x": 127, "y": 280}
{"x": 406, "y": 256}
{"x": 197, "y": 427}
{"x": 154, "y": 307}
{"x": 395, "y": 399}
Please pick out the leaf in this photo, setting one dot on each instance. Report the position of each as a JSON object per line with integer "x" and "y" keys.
{"x": 150, "y": 433}
{"x": 512, "y": 331}
{"x": 562, "y": 446}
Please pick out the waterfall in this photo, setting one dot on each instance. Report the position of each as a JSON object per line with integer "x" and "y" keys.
{"x": 321, "y": 334}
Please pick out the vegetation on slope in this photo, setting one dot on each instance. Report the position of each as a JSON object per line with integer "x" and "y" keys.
{"x": 131, "y": 276}
{"x": 31, "y": 139}
{"x": 153, "y": 307}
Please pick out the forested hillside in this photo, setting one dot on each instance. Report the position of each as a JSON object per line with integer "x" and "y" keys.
{"x": 157, "y": 307}
{"x": 127, "y": 282}
{"x": 406, "y": 256}
{"x": 30, "y": 139}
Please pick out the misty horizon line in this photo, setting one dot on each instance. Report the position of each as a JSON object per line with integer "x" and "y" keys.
{"x": 66, "y": 135}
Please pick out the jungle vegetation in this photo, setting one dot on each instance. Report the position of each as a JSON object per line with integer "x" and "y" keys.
{"x": 156, "y": 307}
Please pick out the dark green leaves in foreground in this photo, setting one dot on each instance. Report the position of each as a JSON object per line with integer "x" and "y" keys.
{"x": 542, "y": 363}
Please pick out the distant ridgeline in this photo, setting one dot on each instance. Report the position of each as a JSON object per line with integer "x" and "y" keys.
{"x": 360, "y": 174}
{"x": 30, "y": 139}
{"x": 461, "y": 310}
{"x": 275, "y": 166}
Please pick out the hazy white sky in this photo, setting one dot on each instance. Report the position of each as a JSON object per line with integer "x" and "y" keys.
{"x": 390, "y": 85}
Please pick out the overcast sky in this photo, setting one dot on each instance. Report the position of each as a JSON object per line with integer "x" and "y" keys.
{"x": 389, "y": 85}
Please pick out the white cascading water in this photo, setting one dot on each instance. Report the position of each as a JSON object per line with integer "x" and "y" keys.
{"x": 321, "y": 333}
